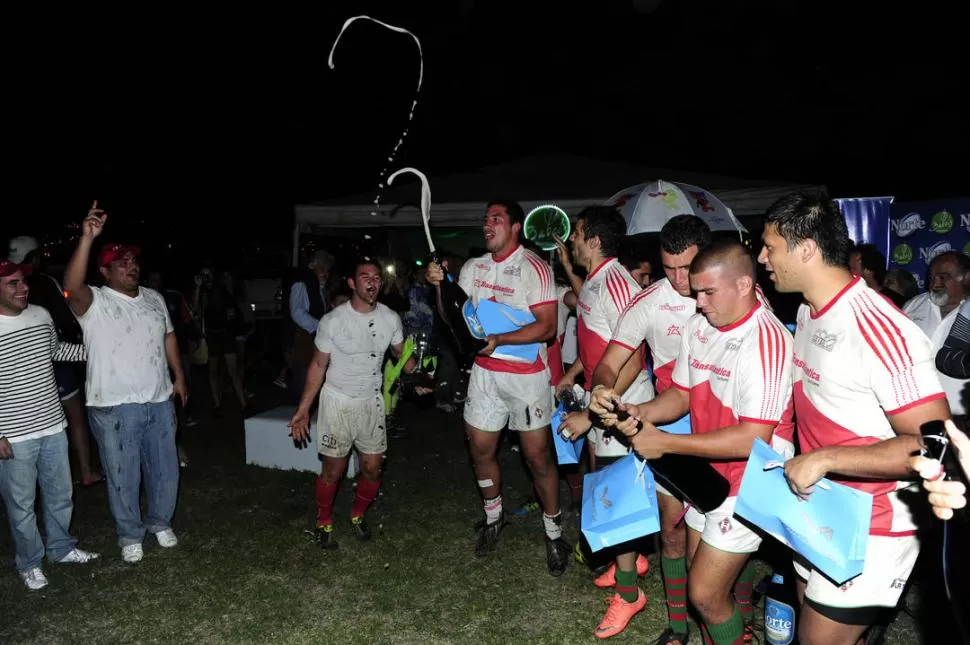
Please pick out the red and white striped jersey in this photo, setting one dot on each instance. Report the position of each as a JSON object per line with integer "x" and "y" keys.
{"x": 734, "y": 374}
{"x": 856, "y": 361}
{"x": 656, "y": 315}
{"x": 521, "y": 280}
{"x": 606, "y": 292}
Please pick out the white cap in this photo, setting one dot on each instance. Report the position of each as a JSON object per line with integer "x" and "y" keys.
{"x": 20, "y": 247}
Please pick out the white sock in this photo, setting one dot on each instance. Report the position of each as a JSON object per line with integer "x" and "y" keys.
{"x": 552, "y": 525}
{"x": 493, "y": 510}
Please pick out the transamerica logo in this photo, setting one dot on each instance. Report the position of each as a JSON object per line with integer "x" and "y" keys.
{"x": 809, "y": 372}
{"x": 482, "y": 284}
{"x": 710, "y": 367}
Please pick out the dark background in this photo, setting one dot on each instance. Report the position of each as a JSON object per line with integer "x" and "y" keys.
{"x": 201, "y": 128}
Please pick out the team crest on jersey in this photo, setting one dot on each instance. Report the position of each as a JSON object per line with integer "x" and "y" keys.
{"x": 514, "y": 270}
{"x": 825, "y": 340}
{"x": 699, "y": 336}
{"x": 725, "y": 525}
{"x": 734, "y": 344}
{"x": 673, "y": 330}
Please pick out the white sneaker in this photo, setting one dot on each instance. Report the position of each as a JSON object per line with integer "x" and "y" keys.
{"x": 78, "y": 556}
{"x": 132, "y": 553}
{"x": 166, "y": 538}
{"x": 34, "y": 578}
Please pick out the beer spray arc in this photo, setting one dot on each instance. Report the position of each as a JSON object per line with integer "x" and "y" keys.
{"x": 414, "y": 103}
{"x": 453, "y": 297}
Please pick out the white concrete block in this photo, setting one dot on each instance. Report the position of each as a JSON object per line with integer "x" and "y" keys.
{"x": 269, "y": 444}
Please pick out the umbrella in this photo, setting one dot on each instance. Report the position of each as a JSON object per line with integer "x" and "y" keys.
{"x": 647, "y": 207}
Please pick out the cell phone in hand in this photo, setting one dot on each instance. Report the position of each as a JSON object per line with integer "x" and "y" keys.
{"x": 935, "y": 445}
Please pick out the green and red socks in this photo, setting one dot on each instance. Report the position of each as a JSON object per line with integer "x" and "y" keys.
{"x": 675, "y": 586}
{"x": 626, "y": 585}
{"x": 743, "y": 589}
{"x": 730, "y": 632}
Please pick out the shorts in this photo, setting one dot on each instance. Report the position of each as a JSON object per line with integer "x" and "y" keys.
{"x": 604, "y": 442}
{"x": 722, "y": 530}
{"x": 523, "y": 401}
{"x": 345, "y": 422}
{"x": 889, "y": 561}
{"x": 66, "y": 378}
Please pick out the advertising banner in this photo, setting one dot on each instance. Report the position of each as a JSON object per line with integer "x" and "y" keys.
{"x": 919, "y": 231}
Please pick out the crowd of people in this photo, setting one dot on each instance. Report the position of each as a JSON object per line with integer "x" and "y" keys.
{"x": 677, "y": 336}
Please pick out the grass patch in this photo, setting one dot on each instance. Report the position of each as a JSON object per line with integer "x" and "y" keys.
{"x": 244, "y": 571}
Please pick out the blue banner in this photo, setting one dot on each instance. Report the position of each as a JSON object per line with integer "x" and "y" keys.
{"x": 919, "y": 231}
{"x": 867, "y": 219}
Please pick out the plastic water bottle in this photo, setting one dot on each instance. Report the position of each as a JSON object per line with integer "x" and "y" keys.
{"x": 780, "y": 604}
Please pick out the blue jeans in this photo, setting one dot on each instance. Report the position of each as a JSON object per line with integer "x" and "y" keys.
{"x": 137, "y": 438}
{"x": 45, "y": 462}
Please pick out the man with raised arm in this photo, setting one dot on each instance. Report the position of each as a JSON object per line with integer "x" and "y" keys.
{"x": 608, "y": 288}
{"x": 131, "y": 347}
{"x": 657, "y": 316}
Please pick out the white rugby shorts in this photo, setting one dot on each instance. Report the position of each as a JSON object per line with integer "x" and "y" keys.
{"x": 523, "y": 401}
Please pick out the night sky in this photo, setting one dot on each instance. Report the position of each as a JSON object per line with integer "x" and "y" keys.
{"x": 207, "y": 121}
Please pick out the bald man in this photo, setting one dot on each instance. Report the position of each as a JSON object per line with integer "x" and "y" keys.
{"x": 733, "y": 375}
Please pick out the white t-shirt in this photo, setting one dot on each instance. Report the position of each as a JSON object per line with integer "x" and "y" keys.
{"x": 125, "y": 339}
{"x": 657, "y": 315}
{"x": 606, "y": 292}
{"x": 356, "y": 343}
{"x": 927, "y": 317}
{"x": 521, "y": 280}
{"x": 856, "y": 361}
{"x": 734, "y": 374}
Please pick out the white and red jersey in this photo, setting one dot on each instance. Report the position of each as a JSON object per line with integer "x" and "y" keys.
{"x": 858, "y": 360}
{"x": 554, "y": 347}
{"x": 521, "y": 280}
{"x": 606, "y": 292}
{"x": 740, "y": 373}
{"x": 657, "y": 315}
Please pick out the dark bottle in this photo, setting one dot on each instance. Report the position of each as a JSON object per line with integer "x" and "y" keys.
{"x": 780, "y": 603}
{"x": 689, "y": 478}
{"x": 453, "y": 299}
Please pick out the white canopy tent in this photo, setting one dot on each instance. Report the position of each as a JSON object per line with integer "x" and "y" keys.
{"x": 570, "y": 182}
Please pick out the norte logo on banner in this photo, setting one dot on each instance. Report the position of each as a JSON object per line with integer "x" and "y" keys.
{"x": 920, "y": 232}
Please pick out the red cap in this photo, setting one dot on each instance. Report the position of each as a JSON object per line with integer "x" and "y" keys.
{"x": 111, "y": 252}
{"x": 8, "y": 268}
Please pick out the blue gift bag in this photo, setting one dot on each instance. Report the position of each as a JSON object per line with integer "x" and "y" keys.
{"x": 830, "y": 529}
{"x": 491, "y": 318}
{"x": 619, "y": 503}
{"x": 680, "y": 426}
{"x": 567, "y": 452}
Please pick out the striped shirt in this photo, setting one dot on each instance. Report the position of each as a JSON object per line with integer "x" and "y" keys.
{"x": 29, "y": 404}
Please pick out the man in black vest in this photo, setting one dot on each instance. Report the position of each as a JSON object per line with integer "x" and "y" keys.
{"x": 309, "y": 301}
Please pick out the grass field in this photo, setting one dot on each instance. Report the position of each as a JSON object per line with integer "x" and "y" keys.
{"x": 245, "y": 572}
